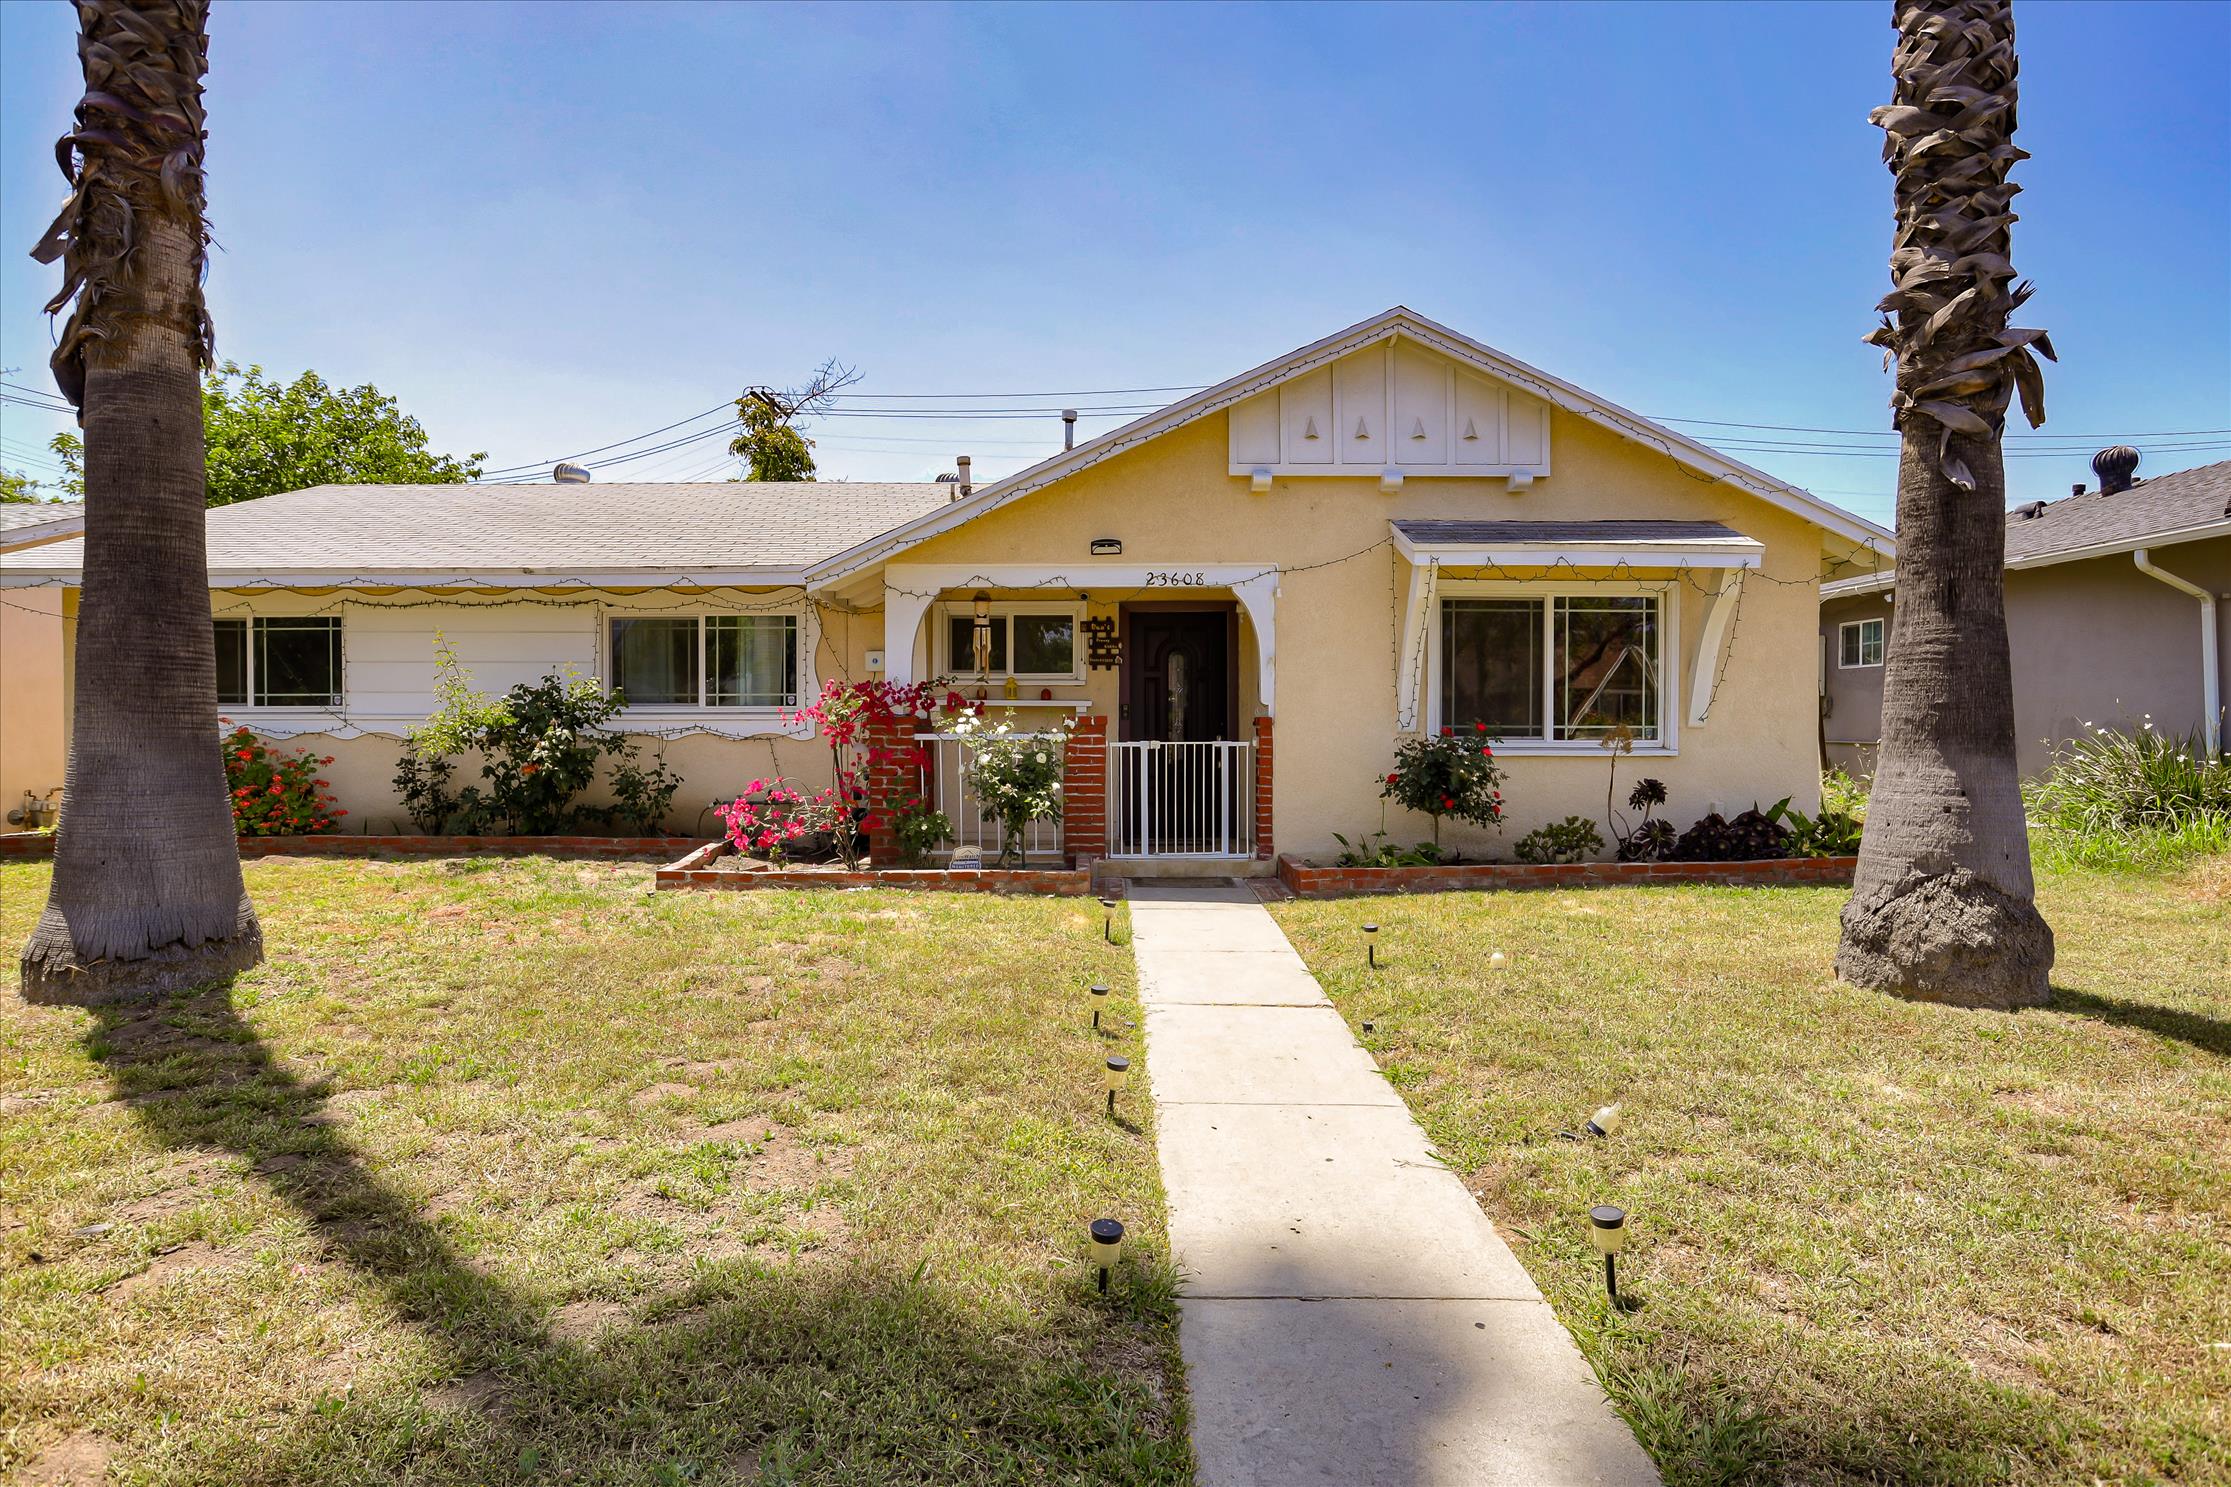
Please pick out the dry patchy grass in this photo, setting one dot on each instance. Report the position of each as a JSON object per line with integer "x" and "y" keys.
{"x": 515, "y": 1172}
{"x": 1879, "y": 1241}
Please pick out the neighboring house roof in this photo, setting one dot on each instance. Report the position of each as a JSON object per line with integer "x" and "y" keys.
{"x": 2183, "y": 506}
{"x": 1398, "y": 321}
{"x": 665, "y": 533}
{"x": 30, "y": 523}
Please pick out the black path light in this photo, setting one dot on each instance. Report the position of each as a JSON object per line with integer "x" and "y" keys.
{"x": 1107, "y": 1247}
{"x": 1099, "y": 999}
{"x": 1118, "y": 1070}
{"x": 1371, "y": 946}
{"x": 1608, "y": 1227}
{"x": 1107, "y": 928}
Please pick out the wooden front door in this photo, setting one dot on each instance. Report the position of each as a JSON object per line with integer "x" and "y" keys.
{"x": 1178, "y": 666}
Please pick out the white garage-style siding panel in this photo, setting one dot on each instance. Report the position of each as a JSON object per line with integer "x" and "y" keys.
{"x": 390, "y": 651}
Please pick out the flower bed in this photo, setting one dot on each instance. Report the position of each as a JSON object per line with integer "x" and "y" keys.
{"x": 662, "y": 848}
{"x": 1308, "y": 880}
{"x": 698, "y": 870}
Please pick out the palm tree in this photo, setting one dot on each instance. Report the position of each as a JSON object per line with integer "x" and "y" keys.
{"x": 1943, "y": 906}
{"x": 147, "y": 893}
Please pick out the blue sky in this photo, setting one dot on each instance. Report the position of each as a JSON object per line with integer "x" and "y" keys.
{"x": 548, "y": 227}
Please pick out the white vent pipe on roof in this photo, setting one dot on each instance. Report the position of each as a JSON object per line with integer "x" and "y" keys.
{"x": 2211, "y": 669}
{"x": 1068, "y": 428}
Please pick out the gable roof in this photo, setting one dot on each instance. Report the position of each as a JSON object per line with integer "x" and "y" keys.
{"x": 2182, "y": 506}
{"x": 1399, "y": 321}
{"x": 761, "y": 531}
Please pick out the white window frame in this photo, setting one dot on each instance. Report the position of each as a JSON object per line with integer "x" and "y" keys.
{"x": 1668, "y": 595}
{"x": 803, "y": 638}
{"x": 1882, "y": 641}
{"x": 337, "y": 700}
{"x": 962, "y": 667}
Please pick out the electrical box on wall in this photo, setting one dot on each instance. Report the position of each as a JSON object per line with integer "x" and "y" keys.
{"x": 875, "y": 660}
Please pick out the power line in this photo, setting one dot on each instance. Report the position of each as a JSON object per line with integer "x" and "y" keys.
{"x": 1792, "y": 428}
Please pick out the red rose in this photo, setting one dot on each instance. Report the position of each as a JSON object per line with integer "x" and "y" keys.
{"x": 1394, "y": 779}
{"x": 1448, "y": 732}
{"x": 1479, "y": 728}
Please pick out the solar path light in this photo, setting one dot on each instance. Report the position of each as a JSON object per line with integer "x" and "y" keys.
{"x": 1371, "y": 946}
{"x": 1108, "y": 927}
{"x": 1608, "y": 1227}
{"x": 1118, "y": 1070}
{"x": 1099, "y": 1000}
{"x": 1107, "y": 1247}
{"x": 1605, "y": 1120}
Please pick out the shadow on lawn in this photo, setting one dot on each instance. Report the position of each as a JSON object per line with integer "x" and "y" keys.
{"x": 744, "y": 1374}
{"x": 2209, "y": 1034}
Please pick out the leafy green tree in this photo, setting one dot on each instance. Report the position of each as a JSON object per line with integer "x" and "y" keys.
{"x": 266, "y": 436}
{"x": 14, "y": 487}
{"x": 771, "y": 447}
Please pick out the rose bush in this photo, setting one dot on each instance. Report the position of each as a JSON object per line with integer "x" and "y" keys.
{"x": 276, "y": 792}
{"x": 1454, "y": 774}
{"x": 1016, "y": 776}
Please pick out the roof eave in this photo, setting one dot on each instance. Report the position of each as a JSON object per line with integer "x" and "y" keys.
{"x": 1869, "y": 583}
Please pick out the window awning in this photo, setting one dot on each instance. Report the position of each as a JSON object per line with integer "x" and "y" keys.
{"x": 1639, "y": 544}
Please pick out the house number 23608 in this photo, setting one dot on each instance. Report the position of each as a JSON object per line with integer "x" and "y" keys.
{"x": 1175, "y": 580}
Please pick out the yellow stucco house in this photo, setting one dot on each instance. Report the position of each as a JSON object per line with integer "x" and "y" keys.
{"x": 31, "y": 753}
{"x": 1243, "y": 602}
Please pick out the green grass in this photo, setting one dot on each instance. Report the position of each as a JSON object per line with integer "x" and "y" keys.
{"x": 1878, "y": 1241}
{"x": 513, "y": 1171}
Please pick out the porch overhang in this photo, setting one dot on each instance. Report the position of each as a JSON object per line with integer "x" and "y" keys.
{"x": 910, "y": 589}
{"x": 1432, "y": 545}
{"x": 1576, "y": 544}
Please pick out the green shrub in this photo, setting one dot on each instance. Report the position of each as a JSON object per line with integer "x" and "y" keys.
{"x": 276, "y": 792}
{"x": 1844, "y": 794}
{"x": 2105, "y": 781}
{"x": 1377, "y": 850}
{"x": 1452, "y": 774}
{"x": 1574, "y": 839}
{"x": 541, "y": 744}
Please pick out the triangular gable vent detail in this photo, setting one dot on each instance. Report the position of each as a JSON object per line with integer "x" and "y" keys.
{"x": 1417, "y": 428}
{"x": 1361, "y": 431}
{"x": 1310, "y": 430}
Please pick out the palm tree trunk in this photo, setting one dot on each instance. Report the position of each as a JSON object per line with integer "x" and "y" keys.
{"x": 1942, "y": 908}
{"x": 147, "y": 893}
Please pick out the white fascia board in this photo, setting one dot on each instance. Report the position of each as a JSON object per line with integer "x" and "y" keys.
{"x": 1385, "y": 326}
{"x": 1736, "y": 552}
{"x": 1870, "y": 583}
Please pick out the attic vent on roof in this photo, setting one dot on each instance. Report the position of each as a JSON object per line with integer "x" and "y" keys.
{"x": 570, "y": 474}
{"x": 2029, "y": 512}
{"x": 2114, "y": 466}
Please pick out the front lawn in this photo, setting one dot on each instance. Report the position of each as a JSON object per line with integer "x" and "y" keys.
{"x": 1878, "y": 1241}
{"x": 515, "y": 1172}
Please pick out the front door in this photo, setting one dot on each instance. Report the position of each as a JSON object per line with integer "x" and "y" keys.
{"x": 1179, "y": 780}
{"x": 1180, "y": 675}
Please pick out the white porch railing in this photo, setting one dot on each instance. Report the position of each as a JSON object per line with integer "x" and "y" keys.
{"x": 947, "y": 776}
{"x": 1181, "y": 799}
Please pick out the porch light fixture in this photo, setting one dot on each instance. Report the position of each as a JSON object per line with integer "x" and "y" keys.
{"x": 1107, "y": 1247}
{"x": 1371, "y": 946}
{"x": 1604, "y": 1121}
{"x": 982, "y": 639}
{"x": 1099, "y": 999}
{"x": 1608, "y": 1227}
{"x": 1118, "y": 1070}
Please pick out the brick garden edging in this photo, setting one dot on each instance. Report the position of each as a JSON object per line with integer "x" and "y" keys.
{"x": 41, "y": 844}
{"x": 695, "y": 872}
{"x": 1305, "y": 880}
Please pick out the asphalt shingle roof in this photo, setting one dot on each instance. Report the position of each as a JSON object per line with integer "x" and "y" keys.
{"x": 16, "y": 516}
{"x": 612, "y": 527}
{"x": 2151, "y": 508}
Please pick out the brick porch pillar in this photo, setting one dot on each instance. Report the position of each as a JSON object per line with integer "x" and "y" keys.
{"x": 892, "y": 775}
{"x": 1084, "y": 791}
{"x": 1263, "y": 847}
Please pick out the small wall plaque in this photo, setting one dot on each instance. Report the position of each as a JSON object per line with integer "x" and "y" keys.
{"x": 1103, "y": 647}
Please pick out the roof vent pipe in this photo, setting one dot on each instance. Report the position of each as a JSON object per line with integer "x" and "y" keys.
{"x": 2077, "y": 489}
{"x": 960, "y": 463}
{"x": 2114, "y": 466}
{"x": 570, "y": 474}
{"x": 1068, "y": 428}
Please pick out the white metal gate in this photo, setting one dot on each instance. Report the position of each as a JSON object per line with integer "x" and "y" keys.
{"x": 1181, "y": 799}
{"x": 946, "y": 777}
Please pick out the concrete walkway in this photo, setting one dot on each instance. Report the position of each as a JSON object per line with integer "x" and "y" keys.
{"x": 1349, "y": 1314}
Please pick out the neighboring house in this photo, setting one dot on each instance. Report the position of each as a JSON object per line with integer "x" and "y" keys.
{"x": 1244, "y": 601}
{"x": 2114, "y": 615}
{"x": 31, "y": 667}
